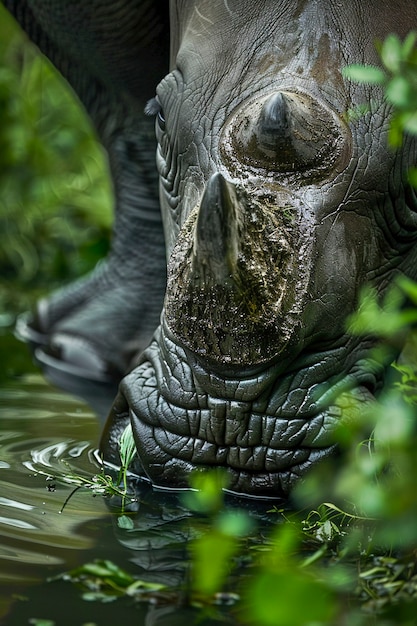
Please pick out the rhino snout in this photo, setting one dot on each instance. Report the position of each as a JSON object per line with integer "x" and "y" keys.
{"x": 233, "y": 276}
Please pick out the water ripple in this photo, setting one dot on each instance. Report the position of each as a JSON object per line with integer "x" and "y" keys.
{"x": 14, "y": 504}
{"x": 45, "y": 438}
{"x": 18, "y": 523}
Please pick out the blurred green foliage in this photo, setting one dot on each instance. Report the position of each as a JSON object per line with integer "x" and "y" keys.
{"x": 347, "y": 553}
{"x": 55, "y": 192}
{"x": 398, "y": 77}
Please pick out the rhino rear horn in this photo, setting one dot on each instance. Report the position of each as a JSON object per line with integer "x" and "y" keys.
{"x": 294, "y": 130}
{"x": 287, "y": 133}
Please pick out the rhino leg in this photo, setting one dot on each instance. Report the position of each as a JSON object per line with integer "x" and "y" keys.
{"x": 112, "y": 54}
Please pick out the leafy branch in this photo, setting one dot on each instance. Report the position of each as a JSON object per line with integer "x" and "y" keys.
{"x": 398, "y": 77}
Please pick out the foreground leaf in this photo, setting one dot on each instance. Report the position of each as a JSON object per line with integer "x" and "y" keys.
{"x": 369, "y": 74}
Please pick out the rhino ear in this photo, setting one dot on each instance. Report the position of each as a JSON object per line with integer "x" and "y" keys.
{"x": 287, "y": 133}
{"x": 154, "y": 107}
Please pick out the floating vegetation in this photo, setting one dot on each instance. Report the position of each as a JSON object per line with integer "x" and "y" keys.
{"x": 108, "y": 484}
{"x": 103, "y": 581}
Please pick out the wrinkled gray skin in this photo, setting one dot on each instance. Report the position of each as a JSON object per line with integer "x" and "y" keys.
{"x": 276, "y": 213}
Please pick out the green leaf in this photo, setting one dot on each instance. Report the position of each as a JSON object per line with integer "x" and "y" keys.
{"x": 140, "y": 586}
{"x": 207, "y": 496}
{"x": 127, "y": 446}
{"x": 103, "y": 568}
{"x": 408, "y": 44}
{"x": 289, "y": 598}
{"x": 212, "y": 554}
{"x": 234, "y": 523}
{"x": 408, "y": 286}
{"x": 364, "y": 74}
{"x": 395, "y": 424}
{"x": 355, "y": 113}
{"x": 410, "y": 123}
{"x": 395, "y": 133}
{"x": 284, "y": 543}
{"x": 95, "y": 569}
{"x": 399, "y": 92}
{"x": 118, "y": 575}
{"x": 125, "y": 522}
{"x": 391, "y": 53}
{"x": 380, "y": 320}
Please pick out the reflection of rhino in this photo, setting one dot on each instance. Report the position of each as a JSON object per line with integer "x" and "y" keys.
{"x": 276, "y": 212}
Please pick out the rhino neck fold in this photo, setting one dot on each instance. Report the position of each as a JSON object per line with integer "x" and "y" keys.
{"x": 267, "y": 429}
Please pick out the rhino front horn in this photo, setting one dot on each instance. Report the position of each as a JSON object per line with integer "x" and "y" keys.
{"x": 217, "y": 233}
{"x": 286, "y": 132}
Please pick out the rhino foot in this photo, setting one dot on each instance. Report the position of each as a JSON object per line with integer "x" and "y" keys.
{"x": 93, "y": 328}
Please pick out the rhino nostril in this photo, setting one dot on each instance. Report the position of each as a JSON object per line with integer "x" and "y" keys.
{"x": 285, "y": 132}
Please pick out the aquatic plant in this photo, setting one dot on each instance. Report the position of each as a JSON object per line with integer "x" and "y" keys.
{"x": 104, "y": 581}
{"x": 114, "y": 483}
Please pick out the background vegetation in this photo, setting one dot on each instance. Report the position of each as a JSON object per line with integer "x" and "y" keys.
{"x": 55, "y": 195}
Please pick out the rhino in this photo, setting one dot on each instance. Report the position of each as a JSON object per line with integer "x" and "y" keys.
{"x": 238, "y": 258}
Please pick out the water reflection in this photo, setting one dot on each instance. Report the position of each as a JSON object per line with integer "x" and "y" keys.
{"x": 40, "y": 429}
{"x": 45, "y": 436}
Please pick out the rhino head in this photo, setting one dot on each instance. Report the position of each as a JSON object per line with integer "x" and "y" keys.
{"x": 277, "y": 210}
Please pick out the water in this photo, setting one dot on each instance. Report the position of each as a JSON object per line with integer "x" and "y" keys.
{"x": 45, "y": 435}
{"x": 48, "y": 440}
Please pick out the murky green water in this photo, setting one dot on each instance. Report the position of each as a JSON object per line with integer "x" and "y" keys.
{"x": 44, "y": 435}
